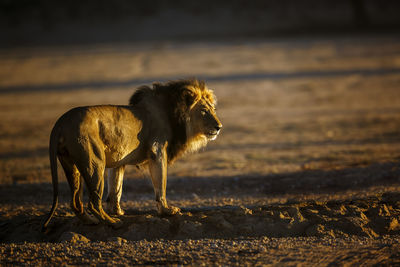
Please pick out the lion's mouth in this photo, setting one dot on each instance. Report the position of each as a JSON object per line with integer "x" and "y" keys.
{"x": 212, "y": 135}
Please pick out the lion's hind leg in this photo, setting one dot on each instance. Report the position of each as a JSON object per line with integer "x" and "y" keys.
{"x": 76, "y": 184}
{"x": 95, "y": 182}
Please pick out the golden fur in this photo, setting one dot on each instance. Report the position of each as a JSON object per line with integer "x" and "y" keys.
{"x": 161, "y": 123}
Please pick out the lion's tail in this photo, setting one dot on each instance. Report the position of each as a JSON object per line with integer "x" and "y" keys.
{"x": 54, "y": 175}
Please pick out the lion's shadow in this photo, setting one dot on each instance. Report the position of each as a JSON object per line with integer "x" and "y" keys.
{"x": 369, "y": 216}
{"x": 366, "y": 216}
{"x": 302, "y": 182}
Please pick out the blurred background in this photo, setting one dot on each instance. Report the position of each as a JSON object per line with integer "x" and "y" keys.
{"x": 44, "y": 22}
{"x": 303, "y": 86}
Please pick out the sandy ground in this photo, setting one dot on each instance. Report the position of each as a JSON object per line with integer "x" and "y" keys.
{"x": 305, "y": 171}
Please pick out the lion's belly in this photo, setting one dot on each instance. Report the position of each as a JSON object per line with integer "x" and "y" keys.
{"x": 121, "y": 141}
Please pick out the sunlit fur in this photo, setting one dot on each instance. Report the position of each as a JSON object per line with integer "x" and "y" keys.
{"x": 180, "y": 99}
{"x": 195, "y": 141}
{"x": 161, "y": 123}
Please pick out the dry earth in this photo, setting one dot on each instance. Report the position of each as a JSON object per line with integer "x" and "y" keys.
{"x": 305, "y": 172}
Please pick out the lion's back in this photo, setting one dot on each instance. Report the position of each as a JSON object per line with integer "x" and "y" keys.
{"x": 112, "y": 128}
{"x": 72, "y": 120}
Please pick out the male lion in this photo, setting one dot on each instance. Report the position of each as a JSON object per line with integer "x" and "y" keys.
{"x": 160, "y": 124}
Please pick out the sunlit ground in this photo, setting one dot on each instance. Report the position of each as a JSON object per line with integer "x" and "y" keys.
{"x": 286, "y": 105}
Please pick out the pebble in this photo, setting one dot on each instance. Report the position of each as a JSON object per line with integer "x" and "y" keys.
{"x": 73, "y": 237}
{"x": 118, "y": 240}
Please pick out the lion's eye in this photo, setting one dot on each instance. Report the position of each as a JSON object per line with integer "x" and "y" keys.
{"x": 203, "y": 112}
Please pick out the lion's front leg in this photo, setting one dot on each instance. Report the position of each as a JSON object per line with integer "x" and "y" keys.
{"x": 115, "y": 179}
{"x": 158, "y": 172}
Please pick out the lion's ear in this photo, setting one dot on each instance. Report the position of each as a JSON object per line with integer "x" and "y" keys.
{"x": 190, "y": 98}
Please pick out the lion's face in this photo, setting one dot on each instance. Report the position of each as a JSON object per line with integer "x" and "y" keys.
{"x": 204, "y": 120}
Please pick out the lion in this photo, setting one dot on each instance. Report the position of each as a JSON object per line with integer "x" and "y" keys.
{"x": 160, "y": 124}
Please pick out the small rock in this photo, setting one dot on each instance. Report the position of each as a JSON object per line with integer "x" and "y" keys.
{"x": 364, "y": 217}
{"x": 118, "y": 240}
{"x": 57, "y": 259}
{"x": 295, "y": 213}
{"x": 342, "y": 210}
{"x": 384, "y": 211}
{"x": 246, "y": 211}
{"x": 394, "y": 225}
{"x": 242, "y": 210}
{"x": 284, "y": 215}
{"x": 73, "y": 237}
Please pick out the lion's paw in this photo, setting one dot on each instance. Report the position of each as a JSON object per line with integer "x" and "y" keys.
{"x": 114, "y": 210}
{"x": 169, "y": 211}
{"x": 119, "y": 212}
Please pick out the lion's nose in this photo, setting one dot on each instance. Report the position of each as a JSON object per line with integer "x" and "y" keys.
{"x": 218, "y": 127}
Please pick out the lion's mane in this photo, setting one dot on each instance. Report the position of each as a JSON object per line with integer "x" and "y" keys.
{"x": 174, "y": 99}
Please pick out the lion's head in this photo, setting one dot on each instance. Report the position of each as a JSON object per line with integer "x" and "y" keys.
{"x": 191, "y": 109}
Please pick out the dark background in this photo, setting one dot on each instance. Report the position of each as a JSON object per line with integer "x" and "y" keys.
{"x": 45, "y": 22}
